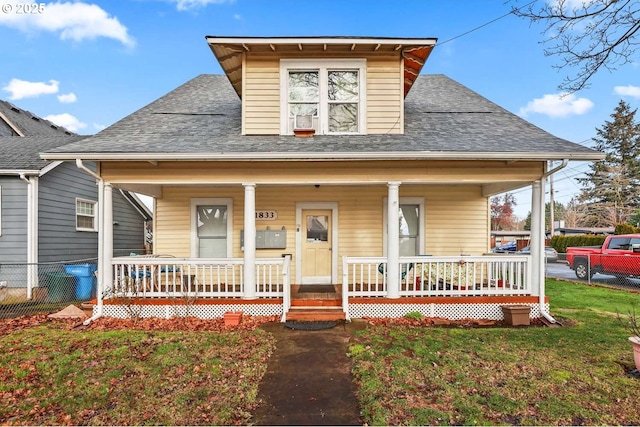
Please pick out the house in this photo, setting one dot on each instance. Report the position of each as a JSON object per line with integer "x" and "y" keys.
{"x": 49, "y": 208}
{"x": 323, "y": 160}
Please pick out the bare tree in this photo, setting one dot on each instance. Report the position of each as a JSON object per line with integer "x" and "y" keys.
{"x": 587, "y": 34}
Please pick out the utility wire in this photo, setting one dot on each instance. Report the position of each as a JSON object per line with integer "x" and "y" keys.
{"x": 487, "y": 23}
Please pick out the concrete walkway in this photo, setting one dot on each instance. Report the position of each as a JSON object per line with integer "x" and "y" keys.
{"x": 308, "y": 379}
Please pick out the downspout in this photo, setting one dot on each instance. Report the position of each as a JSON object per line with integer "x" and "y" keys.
{"x": 32, "y": 232}
{"x": 544, "y": 313}
{"x": 101, "y": 264}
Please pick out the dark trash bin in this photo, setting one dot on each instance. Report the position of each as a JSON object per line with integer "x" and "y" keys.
{"x": 86, "y": 279}
{"x": 62, "y": 286}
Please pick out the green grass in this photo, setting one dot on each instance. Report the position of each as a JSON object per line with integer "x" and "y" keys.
{"x": 52, "y": 376}
{"x": 505, "y": 376}
{"x": 405, "y": 375}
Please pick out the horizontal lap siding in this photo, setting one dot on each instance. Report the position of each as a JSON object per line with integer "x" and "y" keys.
{"x": 456, "y": 218}
{"x": 13, "y": 208}
{"x": 384, "y": 96}
{"x": 261, "y": 96}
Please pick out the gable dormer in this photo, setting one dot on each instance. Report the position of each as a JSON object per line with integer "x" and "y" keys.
{"x": 333, "y": 85}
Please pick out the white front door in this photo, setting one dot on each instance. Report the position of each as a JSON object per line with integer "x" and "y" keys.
{"x": 317, "y": 247}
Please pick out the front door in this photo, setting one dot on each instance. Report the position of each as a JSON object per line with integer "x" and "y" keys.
{"x": 316, "y": 246}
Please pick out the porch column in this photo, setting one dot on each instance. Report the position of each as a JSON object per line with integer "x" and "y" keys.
{"x": 107, "y": 241}
{"x": 249, "y": 241}
{"x": 393, "y": 241}
{"x": 537, "y": 237}
{"x": 102, "y": 288}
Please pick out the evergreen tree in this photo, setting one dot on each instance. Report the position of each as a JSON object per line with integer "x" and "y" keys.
{"x": 611, "y": 189}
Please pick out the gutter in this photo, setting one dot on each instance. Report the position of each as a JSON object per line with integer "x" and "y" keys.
{"x": 298, "y": 156}
{"x": 544, "y": 313}
{"x": 99, "y": 312}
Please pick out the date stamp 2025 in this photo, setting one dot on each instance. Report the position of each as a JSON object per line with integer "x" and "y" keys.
{"x": 22, "y": 8}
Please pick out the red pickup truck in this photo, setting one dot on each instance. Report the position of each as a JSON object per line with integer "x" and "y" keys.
{"x": 619, "y": 256}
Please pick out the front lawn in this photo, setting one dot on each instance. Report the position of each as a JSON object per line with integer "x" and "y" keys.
{"x": 571, "y": 375}
{"x": 50, "y": 375}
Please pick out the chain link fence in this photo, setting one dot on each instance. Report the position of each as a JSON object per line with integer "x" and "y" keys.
{"x": 620, "y": 271}
{"x": 45, "y": 287}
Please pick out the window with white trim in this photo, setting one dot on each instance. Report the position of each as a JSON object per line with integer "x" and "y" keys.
{"x": 325, "y": 95}
{"x": 86, "y": 214}
{"x": 411, "y": 226}
{"x": 212, "y": 227}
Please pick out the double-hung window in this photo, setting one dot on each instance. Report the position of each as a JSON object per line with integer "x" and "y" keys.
{"x": 86, "y": 215}
{"x": 325, "y": 95}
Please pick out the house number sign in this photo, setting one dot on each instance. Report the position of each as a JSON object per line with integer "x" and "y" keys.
{"x": 266, "y": 215}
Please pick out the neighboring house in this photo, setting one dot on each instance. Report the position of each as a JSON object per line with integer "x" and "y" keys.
{"x": 48, "y": 209}
{"x": 389, "y": 199}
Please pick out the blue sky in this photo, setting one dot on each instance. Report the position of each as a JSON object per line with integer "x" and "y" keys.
{"x": 86, "y": 65}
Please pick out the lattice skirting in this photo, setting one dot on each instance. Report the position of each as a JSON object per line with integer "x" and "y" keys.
{"x": 446, "y": 311}
{"x": 201, "y": 311}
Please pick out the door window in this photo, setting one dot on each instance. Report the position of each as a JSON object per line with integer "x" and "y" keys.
{"x": 211, "y": 223}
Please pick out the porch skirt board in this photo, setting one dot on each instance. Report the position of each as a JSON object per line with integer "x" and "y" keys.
{"x": 490, "y": 311}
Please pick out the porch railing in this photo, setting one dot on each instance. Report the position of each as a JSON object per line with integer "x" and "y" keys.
{"x": 426, "y": 276}
{"x": 161, "y": 277}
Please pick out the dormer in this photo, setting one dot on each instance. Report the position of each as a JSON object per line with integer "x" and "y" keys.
{"x": 325, "y": 85}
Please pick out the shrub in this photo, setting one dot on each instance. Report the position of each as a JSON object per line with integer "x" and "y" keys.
{"x": 626, "y": 228}
{"x": 561, "y": 243}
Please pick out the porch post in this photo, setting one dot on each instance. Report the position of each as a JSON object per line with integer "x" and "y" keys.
{"x": 249, "y": 241}
{"x": 537, "y": 237}
{"x": 393, "y": 241}
{"x": 102, "y": 267}
{"x": 107, "y": 241}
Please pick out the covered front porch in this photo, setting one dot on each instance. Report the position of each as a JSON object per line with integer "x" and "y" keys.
{"x": 452, "y": 287}
{"x": 356, "y": 211}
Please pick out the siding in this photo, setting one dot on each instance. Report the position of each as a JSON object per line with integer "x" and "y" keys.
{"x": 261, "y": 93}
{"x": 128, "y": 234}
{"x": 456, "y": 217}
{"x": 58, "y": 239}
{"x": 406, "y": 171}
{"x": 13, "y": 239}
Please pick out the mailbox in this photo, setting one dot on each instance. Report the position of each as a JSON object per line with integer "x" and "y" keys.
{"x": 268, "y": 239}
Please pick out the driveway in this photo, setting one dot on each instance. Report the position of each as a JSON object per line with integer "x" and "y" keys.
{"x": 561, "y": 270}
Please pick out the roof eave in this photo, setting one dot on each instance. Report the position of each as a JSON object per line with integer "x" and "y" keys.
{"x": 310, "y": 156}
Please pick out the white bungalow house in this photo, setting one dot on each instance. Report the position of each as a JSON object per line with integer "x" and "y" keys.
{"x": 322, "y": 160}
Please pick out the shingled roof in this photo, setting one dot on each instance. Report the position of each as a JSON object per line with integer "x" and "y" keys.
{"x": 23, "y": 136}
{"x": 202, "y": 120}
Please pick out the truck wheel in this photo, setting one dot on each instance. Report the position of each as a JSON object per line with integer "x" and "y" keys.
{"x": 582, "y": 270}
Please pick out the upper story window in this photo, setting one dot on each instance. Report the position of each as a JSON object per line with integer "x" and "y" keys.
{"x": 325, "y": 95}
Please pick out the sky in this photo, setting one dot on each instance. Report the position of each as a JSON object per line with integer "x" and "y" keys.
{"x": 86, "y": 65}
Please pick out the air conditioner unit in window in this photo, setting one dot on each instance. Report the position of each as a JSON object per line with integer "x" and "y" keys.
{"x": 303, "y": 121}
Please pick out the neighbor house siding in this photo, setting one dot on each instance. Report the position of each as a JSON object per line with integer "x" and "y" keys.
{"x": 261, "y": 93}
{"x": 58, "y": 238}
{"x": 462, "y": 228}
{"x": 128, "y": 228}
{"x": 13, "y": 239}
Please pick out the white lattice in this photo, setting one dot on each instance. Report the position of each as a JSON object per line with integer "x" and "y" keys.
{"x": 446, "y": 311}
{"x": 201, "y": 311}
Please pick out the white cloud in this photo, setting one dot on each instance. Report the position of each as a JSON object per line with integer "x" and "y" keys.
{"x": 73, "y": 21}
{"x": 20, "y": 89}
{"x": 67, "y": 121}
{"x": 557, "y": 105}
{"x": 632, "y": 91}
{"x": 194, "y": 4}
{"x": 67, "y": 98}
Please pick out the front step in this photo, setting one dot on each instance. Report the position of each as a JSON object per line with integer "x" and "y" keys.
{"x": 315, "y": 313}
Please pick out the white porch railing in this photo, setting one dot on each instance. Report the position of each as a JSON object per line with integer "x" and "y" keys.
{"x": 162, "y": 277}
{"x": 424, "y": 276}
